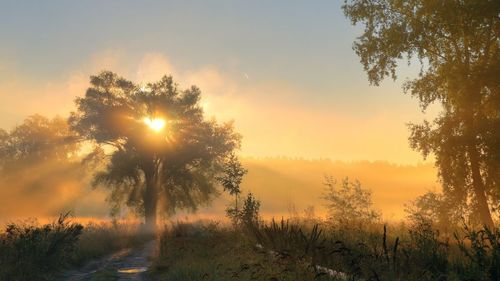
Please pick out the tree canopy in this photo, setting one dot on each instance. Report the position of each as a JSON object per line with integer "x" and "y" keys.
{"x": 39, "y": 158}
{"x": 37, "y": 140}
{"x": 160, "y": 146}
{"x": 457, "y": 45}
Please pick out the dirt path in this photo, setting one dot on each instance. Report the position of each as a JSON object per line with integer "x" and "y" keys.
{"x": 129, "y": 264}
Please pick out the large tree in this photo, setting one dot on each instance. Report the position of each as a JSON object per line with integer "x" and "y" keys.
{"x": 160, "y": 147}
{"x": 456, "y": 43}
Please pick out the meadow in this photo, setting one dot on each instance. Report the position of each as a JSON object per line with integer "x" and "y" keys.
{"x": 301, "y": 247}
{"x": 305, "y": 249}
{"x": 174, "y": 120}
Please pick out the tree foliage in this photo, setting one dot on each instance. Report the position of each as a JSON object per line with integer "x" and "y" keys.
{"x": 233, "y": 175}
{"x": 457, "y": 45}
{"x": 39, "y": 158}
{"x": 250, "y": 212}
{"x": 177, "y": 166}
{"x": 231, "y": 180}
{"x": 37, "y": 140}
{"x": 349, "y": 202}
{"x": 437, "y": 209}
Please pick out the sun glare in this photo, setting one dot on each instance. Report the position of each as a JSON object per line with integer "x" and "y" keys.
{"x": 156, "y": 124}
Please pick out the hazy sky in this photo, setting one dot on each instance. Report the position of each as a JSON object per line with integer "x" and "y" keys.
{"x": 283, "y": 70}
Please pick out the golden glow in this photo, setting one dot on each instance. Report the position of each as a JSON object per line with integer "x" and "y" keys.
{"x": 155, "y": 124}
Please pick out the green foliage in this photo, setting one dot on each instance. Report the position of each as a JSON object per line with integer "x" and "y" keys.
{"x": 457, "y": 45}
{"x": 250, "y": 212}
{"x": 29, "y": 252}
{"x": 232, "y": 176}
{"x": 210, "y": 252}
{"x": 231, "y": 180}
{"x": 288, "y": 251}
{"x": 181, "y": 162}
{"x": 349, "y": 203}
{"x": 425, "y": 249}
{"x": 39, "y": 158}
{"x": 436, "y": 208}
{"x": 418, "y": 253}
{"x": 482, "y": 251}
{"x": 248, "y": 215}
{"x": 37, "y": 140}
{"x": 289, "y": 238}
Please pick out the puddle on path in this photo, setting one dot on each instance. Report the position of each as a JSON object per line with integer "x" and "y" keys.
{"x": 132, "y": 270}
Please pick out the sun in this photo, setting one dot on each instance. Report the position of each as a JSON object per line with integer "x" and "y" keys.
{"x": 155, "y": 124}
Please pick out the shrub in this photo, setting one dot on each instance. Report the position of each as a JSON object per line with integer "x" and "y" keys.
{"x": 482, "y": 251}
{"x": 248, "y": 215}
{"x": 349, "y": 202}
{"x": 31, "y": 252}
{"x": 437, "y": 208}
{"x": 426, "y": 251}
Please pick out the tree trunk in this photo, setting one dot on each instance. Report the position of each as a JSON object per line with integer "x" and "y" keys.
{"x": 150, "y": 201}
{"x": 478, "y": 186}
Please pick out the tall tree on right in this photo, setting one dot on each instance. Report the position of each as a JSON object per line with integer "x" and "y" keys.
{"x": 456, "y": 43}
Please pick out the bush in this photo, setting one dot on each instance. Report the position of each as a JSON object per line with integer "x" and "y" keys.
{"x": 482, "y": 253}
{"x": 349, "y": 203}
{"x": 30, "y": 252}
{"x": 427, "y": 251}
{"x": 248, "y": 215}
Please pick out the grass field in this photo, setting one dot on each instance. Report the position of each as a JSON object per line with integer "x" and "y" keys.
{"x": 209, "y": 252}
{"x": 298, "y": 249}
{"x": 309, "y": 251}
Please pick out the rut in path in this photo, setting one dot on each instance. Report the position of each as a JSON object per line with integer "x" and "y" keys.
{"x": 130, "y": 264}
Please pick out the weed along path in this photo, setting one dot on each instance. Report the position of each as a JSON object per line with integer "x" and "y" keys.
{"x": 124, "y": 265}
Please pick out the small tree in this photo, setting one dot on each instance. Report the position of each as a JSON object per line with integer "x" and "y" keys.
{"x": 250, "y": 212}
{"x": 231, "y": 180}
{"x": 349, "y": 202}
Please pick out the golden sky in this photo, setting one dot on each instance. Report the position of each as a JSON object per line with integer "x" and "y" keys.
{"x": 271, "y": 115}
{"x": 285, "y": 72}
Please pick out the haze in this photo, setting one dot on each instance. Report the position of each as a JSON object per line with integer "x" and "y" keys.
{"x": 286, "y": 75}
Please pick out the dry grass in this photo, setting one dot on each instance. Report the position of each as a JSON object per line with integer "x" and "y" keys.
{"x": 308, "y": 251}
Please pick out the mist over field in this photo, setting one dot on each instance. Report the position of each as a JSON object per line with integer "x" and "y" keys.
{"x": 288, "y": 185}
{"x": 250, "y": 140}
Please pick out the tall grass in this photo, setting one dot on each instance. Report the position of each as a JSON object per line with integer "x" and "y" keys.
{"x": 300, "y": 250}
{"x": 214, "y": 252}
{"x": 367, "y": 254}
{"x": 98, "y": 240}
{"x": 29, "y": 251}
